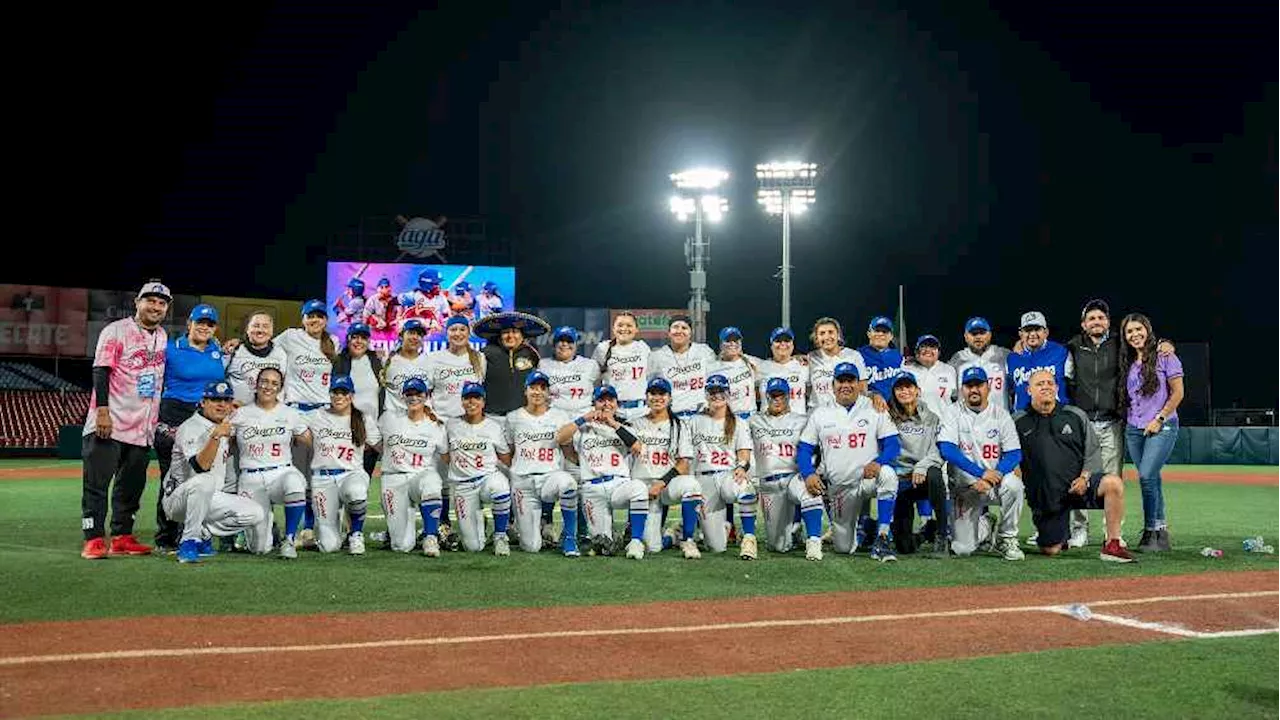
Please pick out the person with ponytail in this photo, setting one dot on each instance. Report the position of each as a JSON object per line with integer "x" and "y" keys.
{"x": 624, "y": 363}
{"x": 340, "y": 433}
{"x": 365, "y": 370}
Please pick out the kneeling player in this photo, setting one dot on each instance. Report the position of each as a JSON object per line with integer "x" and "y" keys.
{"x": 662, "y": 464}
{"x": 775, "y": 433}
{"x": 537, "y": 467}
{"x": 476, "y": 445}
{"x": 340, "y": 434}
{"x": 412, "y": 443}
{"x": 722, "y": 445}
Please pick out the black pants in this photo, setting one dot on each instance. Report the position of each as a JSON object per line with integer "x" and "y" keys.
{"x": 934, "y": 489}
{"x": 104, "y": 460}
{"x": 172, "y": 414}
{"x": 370, "y": 461}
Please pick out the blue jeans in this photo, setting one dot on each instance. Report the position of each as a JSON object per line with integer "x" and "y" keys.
{"x": 1149, "y": 453}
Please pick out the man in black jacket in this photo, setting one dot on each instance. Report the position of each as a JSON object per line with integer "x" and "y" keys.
{"x": 1062, "y": 470}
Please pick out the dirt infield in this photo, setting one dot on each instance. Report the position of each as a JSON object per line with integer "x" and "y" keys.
{"x": 179, "y": 661}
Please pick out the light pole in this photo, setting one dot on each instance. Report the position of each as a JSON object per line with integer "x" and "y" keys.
{"x": 786, "y": 188}
{"x": 696, "y": 198}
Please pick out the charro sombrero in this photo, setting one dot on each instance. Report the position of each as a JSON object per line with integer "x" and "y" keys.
{"x": 491, "y": 326}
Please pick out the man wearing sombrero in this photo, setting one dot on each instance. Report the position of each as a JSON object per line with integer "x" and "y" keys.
{"x": 510, "y": 357}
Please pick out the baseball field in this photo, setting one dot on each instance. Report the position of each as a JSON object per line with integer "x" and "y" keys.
{"x": 391, "y": 635}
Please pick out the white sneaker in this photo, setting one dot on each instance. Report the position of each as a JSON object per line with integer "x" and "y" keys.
{"x": 501, "y": 545}
{"x": 635, "y": 549}
{"x": 689, "y": 547}
{"x": 431, "y": 546}
{"x": 355, "y": 543}
{"x": 813, "y": 548}
{"x": 747, "y": 547}
{"x": 1079, "y": 536}
{"x": 287, "y": 549}
{"x": 1009, "y": 550}
{"x": 1034, "y": 540}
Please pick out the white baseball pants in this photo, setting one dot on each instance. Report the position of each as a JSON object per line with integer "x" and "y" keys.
{"x": 601, "y": 497}
{"x": 402, "y": 496}
{"x": 468, "y": 496}
{"x": 528, "y": 492}
{"x": 680, "y": 489}
{"x": 780, "y": 495}
{"x": 330, "y": 495}
{"x": 966, "y": 513}
{"x": 847, "y": 500}
{"x": 204, "y": 509}
{"x": 267, "y": 488}
{"x": 718, "y": 490}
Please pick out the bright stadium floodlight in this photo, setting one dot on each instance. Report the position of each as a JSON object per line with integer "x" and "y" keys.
{"x": 786, "y": 189}
{"x": 697, "y": 200}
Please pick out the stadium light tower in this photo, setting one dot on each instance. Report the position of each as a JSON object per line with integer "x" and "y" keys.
{"x": 696, "y": 198}
{"x": 786, "y": 188}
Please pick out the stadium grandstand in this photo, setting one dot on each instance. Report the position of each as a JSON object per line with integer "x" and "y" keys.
{"x": 35, "y": 402}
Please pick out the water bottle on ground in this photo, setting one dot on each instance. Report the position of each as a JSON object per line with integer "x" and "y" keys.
{"x": 1211, "y": 552}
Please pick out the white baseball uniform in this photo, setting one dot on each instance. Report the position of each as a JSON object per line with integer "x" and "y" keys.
{"x": 848, "y": 439}
{"x": 821, "y": 369}
{"x": 607, "y": 485}
{"x": 625, "y": 367}
{"x": 307, "y": 371}
{"x": 687, "y": 372}
{"x": 995, "y": 361}
{"x": 795, "y": 373}
{"x": 264, "y": 441}
{"x": 537, "y": 471}
{"x": 197, "y": 499}
{"x": 571, "y": 383}
{"x": 397, "y": 370}
{"x": 983, "y": 437}
{"x": 774, "y": 439}
{"x": 243, "y": 365}
{"x": 662, "y": 445}
{"x": 448, "y": 373}
{"x": 487, "y": 304}
{"x": 742, "y": 383}
{"x": 939, "y": 385}
{"x": 474, "y": 476}
{"x": 715, "y": 457}
{"x": 411, "y": 450}
{"x": 338, "y": 479}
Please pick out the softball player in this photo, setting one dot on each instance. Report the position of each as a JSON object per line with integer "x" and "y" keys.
{"x": 350, "y": 306}
{"x": 624, "y": 361}
{"x": 938, "y": 381}
{"x": 476, "y": 445}
{"x": 775, "y": 433}
{"x": 461, "y": 301}
{"x": 538, "y": 477}
{"x": 829, "y": 351}
{"x": 740, "y": 369}
{"x": 490, "y": 300}
{"x": 859, "y": 445}
{"x": 980, "y": 444}
{"x": 264, "y": 433}
{"x": 340, "y": 434}
{"x": 662, "y": 464}
{"x": 919, "y": 467}
{"x": 572, "y": 376}
{"x": 782, "y": 363}
{"x": 452, "y": 367}
{"x": 685, "y": 365}
{"x": 192, "y": 492}
{"x": 979, "y": 352}
{"x": 431, "y": 301}
{"x": 380, "y": 313}
{"x": 255, "y": 352}
{"x": 604, "y": 445}
{"x": 413, "y": 442}
{"x": 722, "y": 446}
{"x": 407, "y": 362}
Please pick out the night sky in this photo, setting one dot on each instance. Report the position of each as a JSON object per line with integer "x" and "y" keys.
{"x": 1024, "y": 156}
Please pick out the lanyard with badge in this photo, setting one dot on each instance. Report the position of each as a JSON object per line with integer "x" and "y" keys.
{"x": 147, "y": 380}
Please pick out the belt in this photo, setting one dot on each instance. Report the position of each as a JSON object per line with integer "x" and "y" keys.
{"x": 274, "y": 467}
{"x": 686, "y": 413}
{"x": 777, "y": 476}
{"x": 629, "y": 403}
{"x": 471, "y": 479}
{"x": 714, "y": 472}
{"x": 329, "y": 471}
{"x": 305, "y": 407}
{"x": 744, "y": 415}
{"x": 602, "y": 479}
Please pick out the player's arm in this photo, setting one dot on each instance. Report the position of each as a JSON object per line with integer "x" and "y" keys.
{"x": 949, "y": 449}
{"x": 1010, "y": 447}
{"x": 373, "y": 436}
{"x": 202, "y": 458}
{"x": 565, "y": 433}
{"x": 804, "y": 457}
{"x": 105, "y": 359}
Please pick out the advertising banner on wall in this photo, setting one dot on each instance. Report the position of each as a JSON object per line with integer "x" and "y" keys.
{"x": 592, "y": 325}
{"x": 41, "y": 320}
{"x": 652, "y": 323}
{"x": 107, "y": 306}
{"x": 232, "y": 312}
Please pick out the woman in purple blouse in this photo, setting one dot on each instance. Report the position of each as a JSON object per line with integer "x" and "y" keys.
{"x": 1152, "y": 393}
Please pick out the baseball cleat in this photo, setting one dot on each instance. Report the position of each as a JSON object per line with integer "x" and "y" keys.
{"x": 882, "y": 551}
{"x": 689, "y": 547}
{"x": 1079, "y": 536}
{"x": 189, "y": 551}
{"x": 1007, "y": 548}
{"x": 747, "y": 547}
{"x": 127, "y": 545}
{"x": 635, "y": 549}
{"x": 570, "y": 546}
{"x": 355, "y": 543}
{"x": 95, "y": 549}
{"x": 1112, "y": 552}
{"x": 813, "y": 549}
{"x": 940, "y": 548}
{"x": 288, "y": 550}
{"x": 501, "y": 545}
{"x": 205, "y": 548}
{"x": 431, "y": 546}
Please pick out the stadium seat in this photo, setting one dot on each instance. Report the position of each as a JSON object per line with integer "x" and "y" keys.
{"x": 31, "y": 418}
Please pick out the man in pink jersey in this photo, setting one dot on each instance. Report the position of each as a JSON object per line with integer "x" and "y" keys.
{"x": 128, "y": 370}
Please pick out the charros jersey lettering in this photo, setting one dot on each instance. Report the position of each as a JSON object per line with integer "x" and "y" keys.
{"x": 533, "y": 440}
{"x": 795, "y": 373}
{"x": 264, "y": 438}
{"x": 821, "y": 369}
{"x": 774, "y": 439}
{"x": 662, "y": 445}
{"x": 571, "y": 383}
{"x": 742, "y": 383}
{"x": 686, "y": 371}
{"x": 600, "y": 452}
{"x": 848, "y": 438}
{"x": 626, "y": 369}
{"x": 982, "y": 436}
{"x": 474, "y": 449}
{"x": 713, "y": 450}
{"x": 399, "y": 369}
{"x": 136, "y": 357}
{"x": 448, "y": 373}
{"x": 243, "y": 367}
{"x": 307, "y": 370}
{"x": 334, "y": 448}
{"x": 411, "y": 446}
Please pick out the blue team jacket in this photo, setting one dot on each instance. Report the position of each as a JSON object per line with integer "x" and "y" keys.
{"x": 884, "y": 366}
{"x": 1052, "y": 357}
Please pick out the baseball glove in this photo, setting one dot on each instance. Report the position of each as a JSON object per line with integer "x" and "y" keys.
{"x": 601, "y": 545}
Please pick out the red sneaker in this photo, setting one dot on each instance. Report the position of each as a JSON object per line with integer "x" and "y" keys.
{"x": 95, "y": 549}
{"x": 128, "y": 545}
{"x": 1113, "y": 551}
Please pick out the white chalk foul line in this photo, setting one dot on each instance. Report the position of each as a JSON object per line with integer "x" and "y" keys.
{"x": 148, "y": 653}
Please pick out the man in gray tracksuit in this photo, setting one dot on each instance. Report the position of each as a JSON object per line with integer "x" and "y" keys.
{"x": 919, "y": 467}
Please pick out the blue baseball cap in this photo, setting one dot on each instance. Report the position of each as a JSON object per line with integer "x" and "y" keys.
{"x": 846, "y": 369}
{"x": 413, "y": 325}
{"x": 342, "y": 383}
{"x": 456, "y": 320}
{"x": 781, "y": 333}
{"x": 565, "y": 332}
{"x": 777, "y": 385}
{"x": 490, "y": 286}
{"x": 359, "y": 328}
{"x": 604, "y": 390}
{"x": 905, "y": 378}
{"x": 356, "y": 285}
{"x": 977, "y": 324}
{"x": 658, "y": 384}
{"x": 414, "y": 384}
{"x": 717, "y": 383}
{"x": 729, "y": 333}
{"x": 384, "y": 282}
{"x": 218, "y": 390}
{"x": 203, "y": 312}
{"x": 537, "y": 376}
{"x": 463, "y": 286}
{"x": 880, "y": 321}
{"x": 973, "y": 374}
{"x": 314, "y": 306}
{"x": 927, "y": 340}
{"x": 472, "y": 389}
{"x": 428, "y": 279}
